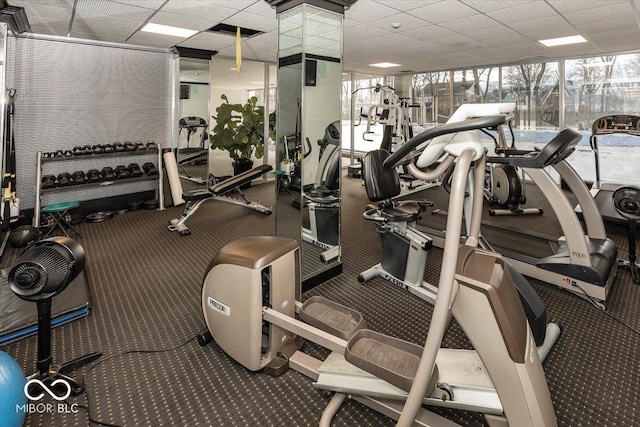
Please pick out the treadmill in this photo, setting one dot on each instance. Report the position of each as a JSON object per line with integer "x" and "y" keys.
{"x": 603, "y": 191}
{"x": 584, "y": 264}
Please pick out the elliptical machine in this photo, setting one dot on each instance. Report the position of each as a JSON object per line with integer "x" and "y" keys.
{"x": 504, "y": 184}
{"x": 254, "y": 321}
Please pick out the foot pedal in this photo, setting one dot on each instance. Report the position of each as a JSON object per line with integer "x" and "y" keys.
{"x": 391, "y": 359}
{"x": 331, "y": 317}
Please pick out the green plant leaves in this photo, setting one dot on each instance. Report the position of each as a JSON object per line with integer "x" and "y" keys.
{"x": 239, "y": 128}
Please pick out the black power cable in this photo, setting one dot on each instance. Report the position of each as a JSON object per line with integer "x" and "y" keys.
{"x": 122, "y": 353}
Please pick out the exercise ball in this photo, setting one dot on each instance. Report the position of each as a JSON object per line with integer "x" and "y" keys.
{"x": 12, "y": 394}
{"x": 23, "y": 236}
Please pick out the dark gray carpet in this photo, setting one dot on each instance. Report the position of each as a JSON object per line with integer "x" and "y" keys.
{"x": 146, "y": 284}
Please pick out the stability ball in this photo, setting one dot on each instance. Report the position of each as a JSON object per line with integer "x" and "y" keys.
{"x": 12, "y": 383}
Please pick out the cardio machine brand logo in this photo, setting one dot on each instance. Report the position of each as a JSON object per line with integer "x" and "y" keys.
{"x": 218, "y": 306}
{"x": 35, "y": 391}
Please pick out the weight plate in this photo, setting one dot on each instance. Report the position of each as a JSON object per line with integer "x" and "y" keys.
{"x": 99, "y": 216}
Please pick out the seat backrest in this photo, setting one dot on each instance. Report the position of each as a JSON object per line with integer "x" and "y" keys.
{"x": 380, "y": 184}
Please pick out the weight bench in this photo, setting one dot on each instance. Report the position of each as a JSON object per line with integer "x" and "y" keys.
{"x": 219, "y": 192}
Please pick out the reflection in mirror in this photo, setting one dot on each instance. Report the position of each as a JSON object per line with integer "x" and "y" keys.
{"x": 193, "y": 126}
{"x": 308, "y": 135}
{"x": 289, "y": 152}
{"x": 321, "y": 132}
{"x": 229, "y": 90}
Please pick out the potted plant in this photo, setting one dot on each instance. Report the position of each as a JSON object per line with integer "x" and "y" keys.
{"x": 239, "y": 129}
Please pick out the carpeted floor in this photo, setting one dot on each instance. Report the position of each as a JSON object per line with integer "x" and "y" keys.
{"x": 145, "y": 284}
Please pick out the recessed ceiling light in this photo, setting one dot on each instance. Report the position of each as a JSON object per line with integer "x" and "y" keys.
{"x": 563, "y": 40}
{"x": 167, "y": 30}
{"x": 384, "y": 65}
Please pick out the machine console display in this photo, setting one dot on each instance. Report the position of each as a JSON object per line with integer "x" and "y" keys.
{"x": 617, "y": 124}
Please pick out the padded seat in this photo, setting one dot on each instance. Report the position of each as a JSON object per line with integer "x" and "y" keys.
{"x": 404, "y": 212}
{"x": 197, "y": 195}
{"x": 56, "y": 215}
{"x": 400, "y": 212}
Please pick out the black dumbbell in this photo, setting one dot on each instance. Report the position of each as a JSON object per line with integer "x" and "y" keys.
{"x": 121, "y": 172}
{"x": 108, "y": 148}
{"x": 79, "y": 177}
{"x": 87, "y": 150}
{"x": 59, "y": 153}
{"x": 130, "y": 146}
{"x": 118, "y": 147}
{"x": 150, "y": 169}
{"x": 151, "y": 145}
{"x": 107, "y": 173}
{"x": 77, "y": 151}
{"x": 98, "y": 149}
{"x": 64, "y": 179}
{"x": 93, "y": 175}
{"x": 134, "y": 170}
{"x": 140, "y": 146}
{"x": 48, "y": 181}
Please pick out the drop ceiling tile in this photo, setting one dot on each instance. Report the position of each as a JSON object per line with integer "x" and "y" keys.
{"x": 407, "y": 22}
{"x": 270, "y": 37}
{"x": 405, "y": 5}
{"x": 604, "y": 25}
{"x": 48, "y": 16}
{"x": 609, "y": 13}
{"x": 261, "y": 8}
{"x": 363, "y": 32}
{"x": 455, "y": 40}
{"x": 366, "y": 11}
{"x": 92, "y": 23}
{"x": 209, "y": 41}
{"x": 470, "y": 24}
{"x": 214, "y": 12}
{"x": 523, "y": 12}
{"x": 49, "y": 30}
{"x": 181, "y": 21}
{"x": 429, "y": 32}
{"x": 116, "y": 10}
{"x": 260, "y": 44}
{"x": 619, "y": 35}
{"x": 489, "y": 5}
{"x": 567, "y": 6}
{"x": 554, "y": 26}
{"x": 253, "y": 21}
{"x": 249, "y": 55}
{"x": 54, "y": 3}
{"x": 100, "y": 37}
{"x": 235, "y": 4}
{"x": 152, "y": 4}
{"x": 444, "y": 11}
{"x": 498, "y": 36}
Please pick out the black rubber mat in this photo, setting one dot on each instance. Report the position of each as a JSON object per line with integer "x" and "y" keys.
{"x": 146, "y": 290}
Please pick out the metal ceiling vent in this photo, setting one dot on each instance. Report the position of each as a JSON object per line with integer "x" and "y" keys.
{"x": 117, "y": 10}
{"x": 230, "y": 30}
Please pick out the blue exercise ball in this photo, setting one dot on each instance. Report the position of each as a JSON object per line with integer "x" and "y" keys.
{"x": 12, "y": 394}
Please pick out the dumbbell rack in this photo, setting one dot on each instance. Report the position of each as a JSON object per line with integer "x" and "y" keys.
{"x": 40, "y": 160}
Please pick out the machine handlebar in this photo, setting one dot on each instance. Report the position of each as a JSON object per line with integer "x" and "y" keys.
{"x": 398, "y": 157}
